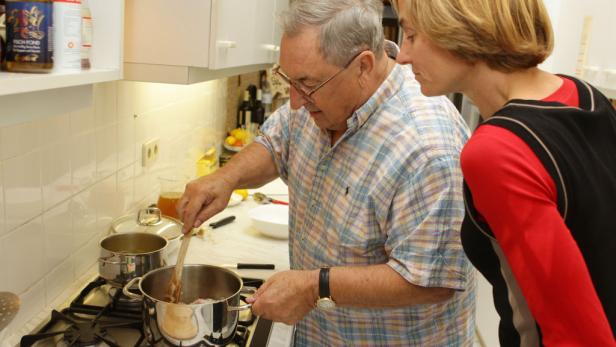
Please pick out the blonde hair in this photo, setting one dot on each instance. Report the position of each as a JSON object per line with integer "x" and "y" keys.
{"x": 508, "y": 35}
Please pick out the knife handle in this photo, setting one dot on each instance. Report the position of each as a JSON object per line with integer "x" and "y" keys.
{"x": 222, "y": 222}
{"x": 256, "y": 266}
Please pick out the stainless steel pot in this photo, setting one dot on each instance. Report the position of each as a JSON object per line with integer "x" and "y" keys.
{"x": 212, "y": 321}
{"x": 129, "y": 255}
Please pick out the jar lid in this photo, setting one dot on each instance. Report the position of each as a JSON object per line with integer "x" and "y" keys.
{"x": 149, "y": 220}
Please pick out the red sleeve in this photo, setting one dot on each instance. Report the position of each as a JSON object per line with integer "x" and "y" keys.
{"x": 515, "y": 195}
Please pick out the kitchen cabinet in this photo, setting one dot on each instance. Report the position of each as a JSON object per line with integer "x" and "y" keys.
{"x": 106, "y": 56}
{"x": 199, "y": 40}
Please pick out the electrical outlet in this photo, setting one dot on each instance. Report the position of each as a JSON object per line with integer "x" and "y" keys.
{"x": 149, "y": 152}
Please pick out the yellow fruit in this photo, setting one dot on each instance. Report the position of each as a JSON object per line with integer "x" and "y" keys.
{"x": 242, "y": 192}
{"x": 230, "y": 140}
{"x": 241, "y": 134}
{"x": 234, "y": 132}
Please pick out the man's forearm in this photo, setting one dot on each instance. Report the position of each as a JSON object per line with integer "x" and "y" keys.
{"x": 380, "y": 286}
{"x": 250, "y": 168}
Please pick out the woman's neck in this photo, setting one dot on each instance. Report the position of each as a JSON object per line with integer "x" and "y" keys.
{"x": 490, "y": 90}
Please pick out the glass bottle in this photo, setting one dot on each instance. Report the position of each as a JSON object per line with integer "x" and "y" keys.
{"x": 86, "y": 34}
{"x": 2, "y": 33}
{"x": 29, "y": 27}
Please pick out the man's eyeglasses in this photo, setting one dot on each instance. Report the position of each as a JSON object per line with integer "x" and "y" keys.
{"x": 301, "y": 89}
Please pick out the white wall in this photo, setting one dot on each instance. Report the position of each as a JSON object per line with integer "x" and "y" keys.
{"x": 567, "y": 18}
{"x": 70, "y": 162}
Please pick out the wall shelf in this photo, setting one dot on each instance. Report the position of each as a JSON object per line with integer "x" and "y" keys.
{"x": 14, "y": 83}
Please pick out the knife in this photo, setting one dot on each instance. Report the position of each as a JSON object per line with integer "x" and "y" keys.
{"x": 240, "y": 266}
{"x": 222, "y": 222}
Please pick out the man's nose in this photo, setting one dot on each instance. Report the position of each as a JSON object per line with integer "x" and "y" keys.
{"x": 297, "y": 101}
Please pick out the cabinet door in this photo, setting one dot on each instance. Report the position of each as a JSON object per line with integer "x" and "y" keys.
{"x": 281, "y": 6}
{"x": 265, "y": 45}
{"x": 232, "y": 33}
{"x": 166, "y": 32}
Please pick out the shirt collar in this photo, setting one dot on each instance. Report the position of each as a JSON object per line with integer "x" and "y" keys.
{"x": 386, "y": 90}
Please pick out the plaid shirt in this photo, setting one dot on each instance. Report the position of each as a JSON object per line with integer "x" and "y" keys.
{"x": 389, "y": 191}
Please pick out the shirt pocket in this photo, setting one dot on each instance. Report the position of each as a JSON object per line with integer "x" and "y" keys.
{"x": 360, "y": 239}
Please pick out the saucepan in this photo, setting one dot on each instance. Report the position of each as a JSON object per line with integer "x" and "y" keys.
{"x": 211, "y": 314}
{"x": 130, "y": 255}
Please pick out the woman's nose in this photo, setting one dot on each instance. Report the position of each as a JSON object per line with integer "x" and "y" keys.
{"x": 404, "y": 56}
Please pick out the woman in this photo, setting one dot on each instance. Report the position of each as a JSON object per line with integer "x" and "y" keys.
{"x": 540, "y": 171}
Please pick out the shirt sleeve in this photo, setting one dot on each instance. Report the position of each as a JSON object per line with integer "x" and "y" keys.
{"x": 276, "y": 127}
{"x": 517, "y": 197}
{"x": 423, "y": 241}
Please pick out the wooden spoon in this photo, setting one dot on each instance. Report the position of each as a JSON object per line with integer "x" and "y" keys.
{"x": 174, "y": 292}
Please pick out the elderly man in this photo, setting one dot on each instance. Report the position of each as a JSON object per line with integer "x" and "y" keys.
{"x": 375, "y": 190}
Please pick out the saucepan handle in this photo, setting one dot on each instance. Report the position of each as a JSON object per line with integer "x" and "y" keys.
{"x": 244, "y": 290}
{"x": 127, "y": 292}
{"x": 106, "y": 260}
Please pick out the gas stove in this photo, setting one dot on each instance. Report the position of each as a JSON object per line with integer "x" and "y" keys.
{"x": 101, "y": 316}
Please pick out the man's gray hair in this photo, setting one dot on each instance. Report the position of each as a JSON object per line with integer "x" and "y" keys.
{"x": 347, "y": 26}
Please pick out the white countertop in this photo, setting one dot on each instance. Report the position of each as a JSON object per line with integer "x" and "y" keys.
{"x": 239, "y": 242}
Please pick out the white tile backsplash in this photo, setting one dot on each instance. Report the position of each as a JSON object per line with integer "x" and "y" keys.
{"x": 56, "y": 177}
{"x": 83, "y": 212}
{"x": 106, "y": 151}
{"x": 73, "y": 164}
{"x": 22, "y": 189}
{"x": 126, "y": 142}
{"x": 82, "y": 120}
{"x": 18, "y": 140}
{"x": 83, "y": 160}
{"x": 59, "y": 235}
{"x": 59, "y": 279}
{"x": 105, "y": 104}
{"x": 54, "y": 129}
{"x": 24, "y": 250}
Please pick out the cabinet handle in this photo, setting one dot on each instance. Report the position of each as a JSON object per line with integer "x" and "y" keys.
{"x": 271, "y": 48}
{"x": 226, "y": 44}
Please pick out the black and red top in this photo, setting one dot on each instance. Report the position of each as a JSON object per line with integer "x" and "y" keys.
{"x": 540, "y": 192}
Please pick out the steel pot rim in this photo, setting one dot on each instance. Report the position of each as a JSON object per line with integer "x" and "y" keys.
{"x": 166, "y": 243}
{"x": 210, "y": 301}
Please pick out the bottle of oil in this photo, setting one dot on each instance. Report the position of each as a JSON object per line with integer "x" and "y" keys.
{"x": 2, "y": 33}
{"x": 28, "y": 35}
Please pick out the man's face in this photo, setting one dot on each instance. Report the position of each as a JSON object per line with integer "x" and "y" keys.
{"x": 334, "y": 102}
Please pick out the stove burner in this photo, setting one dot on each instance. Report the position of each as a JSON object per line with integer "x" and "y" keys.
{"x": 84, "y": 334}
{"x": 121, "y": 300}
{"x": 83, "y": 324}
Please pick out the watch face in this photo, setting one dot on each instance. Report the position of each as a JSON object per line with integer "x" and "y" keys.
{"x": 326, "y": 304}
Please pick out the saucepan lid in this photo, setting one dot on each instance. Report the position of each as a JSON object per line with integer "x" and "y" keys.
{"x": 149, "y": 220}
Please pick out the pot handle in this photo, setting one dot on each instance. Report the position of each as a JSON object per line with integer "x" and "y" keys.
{"x": 107, "y": 261}
{"x": 128, "y": 293}
{"x": 244, "y": 290}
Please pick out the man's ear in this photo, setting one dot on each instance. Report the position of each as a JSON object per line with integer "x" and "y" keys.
{"x": 367, "y": 63}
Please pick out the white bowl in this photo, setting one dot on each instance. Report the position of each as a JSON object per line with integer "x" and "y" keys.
{"x": 271, "y": 220}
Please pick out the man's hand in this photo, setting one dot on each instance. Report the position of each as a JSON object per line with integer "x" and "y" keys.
{"x": 202, "y": 199}
{"x": 286, "y": 296}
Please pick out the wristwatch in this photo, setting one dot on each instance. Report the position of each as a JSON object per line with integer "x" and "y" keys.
{"x": 325, "y": 301}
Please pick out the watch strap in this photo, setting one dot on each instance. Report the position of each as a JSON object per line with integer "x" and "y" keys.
{"x": 324, "y": 283}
